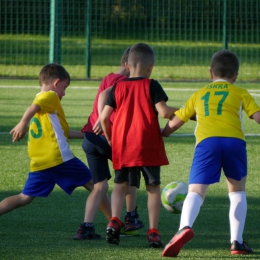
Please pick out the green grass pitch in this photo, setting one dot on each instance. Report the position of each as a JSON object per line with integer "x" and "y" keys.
{"x": 44, "y": 229}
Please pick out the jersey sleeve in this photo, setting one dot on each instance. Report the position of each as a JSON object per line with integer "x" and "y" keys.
{"x": 157, "y": 93}
{"x": 188, "y": 110}
{"x": 47, "y": 101}
{"x": 249, "y": 104}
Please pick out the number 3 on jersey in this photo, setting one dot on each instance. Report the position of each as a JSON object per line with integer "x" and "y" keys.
{"x": 35, "y": 134}
{"x": 223, "y": 95}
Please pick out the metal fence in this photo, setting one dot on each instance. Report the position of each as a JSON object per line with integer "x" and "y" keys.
{"x": 89, "y": 36}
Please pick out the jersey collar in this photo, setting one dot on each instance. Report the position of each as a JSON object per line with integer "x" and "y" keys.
{"x": 218, "y": 80}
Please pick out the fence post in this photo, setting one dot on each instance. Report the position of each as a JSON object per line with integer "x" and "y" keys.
{"x": 55, "y": 31}
{"x": 225, "y": 28}
{"x": 88, "y": 38}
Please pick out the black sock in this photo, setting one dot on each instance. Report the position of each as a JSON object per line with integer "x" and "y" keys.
{"x": 88, "y": 225}
{"x": 131, "y": 214}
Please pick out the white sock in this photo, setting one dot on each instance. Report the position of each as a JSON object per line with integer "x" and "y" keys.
{"x": 190, "y": 209}
{"x": 237, "y": 215}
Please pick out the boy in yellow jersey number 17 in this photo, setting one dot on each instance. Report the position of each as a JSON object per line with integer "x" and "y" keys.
{"x": 220, "y": 144}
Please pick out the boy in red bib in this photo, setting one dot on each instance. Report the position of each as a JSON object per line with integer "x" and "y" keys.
{"x": 136, "y": 140}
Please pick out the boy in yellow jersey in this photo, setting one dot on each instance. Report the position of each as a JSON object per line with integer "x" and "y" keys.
{"x": 52, "y": 161}
{"x": 220, "y": 144}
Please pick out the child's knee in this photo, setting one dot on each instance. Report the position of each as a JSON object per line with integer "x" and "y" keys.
{"x": 25, "y": 199}
{"x": 101, "y": 186}
{"x": 152, "y": 188}
{"x": 89, "y": 185}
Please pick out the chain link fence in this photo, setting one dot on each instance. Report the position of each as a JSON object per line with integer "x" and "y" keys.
{"x": 88, "y": 37}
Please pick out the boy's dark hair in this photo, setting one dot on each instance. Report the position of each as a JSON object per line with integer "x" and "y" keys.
{"x": 124, "y": 57}
{"x": 53, "y": 71}
{"x": 225, "y": 63}
{"x": 141, "y": 53}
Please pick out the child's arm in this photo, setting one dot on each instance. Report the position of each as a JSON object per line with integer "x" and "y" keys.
{"x": 168, "y": 112}
{"x": 164, "y": 110}
{"x": 102, "y": 99}
{"x": 256, "y": 117}
{"x": 19, "y": 130}
{"x": 106, "y": 123}
{"x": 97, "y": 128}
{"x": 73, "y": 134}
{"x": 174, "y": 124}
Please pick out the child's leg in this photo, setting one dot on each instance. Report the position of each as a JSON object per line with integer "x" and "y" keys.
{"x": 190, "y": 211}
{"x": 98, "y": 152}
{"x": 153, "y": 204}
{"x": 117, "y": 202}
{"x": 97, "y": 199}
{"x": 192, "y": 204}
{"x": 118, "y": 198}
{"x": 13, "y": 202}
{"x": 238, "y": 209}
{"x": 131, "y": 220}
{"x": 131, "y": 197}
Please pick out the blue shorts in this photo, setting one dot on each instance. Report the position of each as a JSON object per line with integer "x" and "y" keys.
{"x": 216, "y": 153}
{"x": 98, "y": 153}
{"x": 68, "y": 175}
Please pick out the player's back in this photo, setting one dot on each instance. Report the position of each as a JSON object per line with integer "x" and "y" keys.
{"x": 219, "y": 108}
{"x": 136, "y": 138}
{"x": 107, "y": 82}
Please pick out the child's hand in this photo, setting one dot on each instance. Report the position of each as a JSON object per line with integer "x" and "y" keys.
{"x": 19, "y": 131}
{"x": 97, "y": 128}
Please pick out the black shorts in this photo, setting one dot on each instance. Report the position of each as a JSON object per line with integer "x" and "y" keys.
{"x": 132, "y": 175}
{"x": 98, "y": 152}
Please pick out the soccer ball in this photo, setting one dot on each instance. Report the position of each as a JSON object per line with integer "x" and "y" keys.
{"x": 173, "y": 196}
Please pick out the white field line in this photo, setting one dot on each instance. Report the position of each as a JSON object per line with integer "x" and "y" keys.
{"x": 87, "y": 87}
{"x": 172, "y": 135}
{"x": 35, "y": 87}
{"x": 167, "y": 89}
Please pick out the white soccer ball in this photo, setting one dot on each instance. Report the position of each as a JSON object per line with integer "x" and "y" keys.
{"x": 173, "y": 196}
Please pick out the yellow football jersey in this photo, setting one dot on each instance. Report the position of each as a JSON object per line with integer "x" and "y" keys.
{"x": 48, "y": 133}
{"x": 218, "y": 107}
